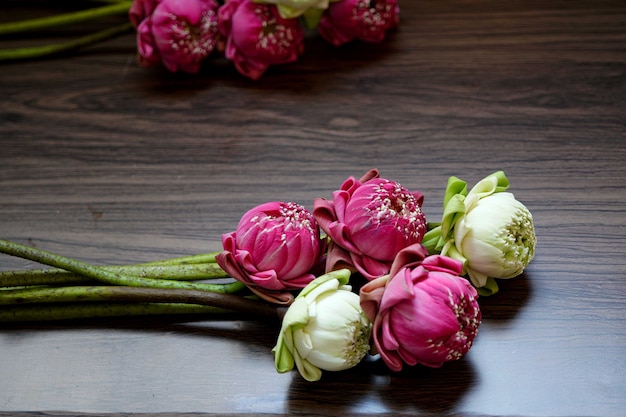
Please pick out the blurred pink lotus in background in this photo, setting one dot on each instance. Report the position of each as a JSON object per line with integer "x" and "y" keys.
{"x": 367, "y": 21}
{"x": 257, "y": 37}
{"x": 179, "y": 33}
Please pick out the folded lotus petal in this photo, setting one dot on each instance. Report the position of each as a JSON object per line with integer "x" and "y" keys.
{"x": 340, "y": 201}
{"x": 232, "y": 267}
{"x": 245, "y": 260}
{"x": 340, "y": 234}
{"x": 371, "y": 295}
{"x": 140, "y": 9}
{"x": 147, "y": 53}
{"x": 388, "y": 351}
{"x": 370, "y": 268}
{"x": 409, "y": 257}
{"x": 438, "y": 263}
{"x": 370, "y": 175}
{"x": 324, "y": 212}
{"x": 491, "y": 184}
{"x": 349, "y": 186}
{"x": 283, "y": 298}
{"x": 267, "y": 280}
{"x": 401, "y": 287}
{"x": 338, "y": 258}
{"x": 479, "y": 279}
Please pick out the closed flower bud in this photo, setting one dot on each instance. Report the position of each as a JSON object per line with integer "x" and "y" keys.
{"x": 179, "y": 33}
{"x": 423, "y": 313}
{"x": 368, "y": 21}
{"x": 369, "y": 221}
{"x": 324, "y": 329}
{"x": 497, "y": 238}
{"x": 273, "y": 250}
{"x": 257, "y": 37}
{"x": 487, "y": 229}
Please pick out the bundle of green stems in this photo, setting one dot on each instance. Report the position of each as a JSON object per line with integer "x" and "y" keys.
{"x": 101, "y": 9}
{"x": 72, "y": 289}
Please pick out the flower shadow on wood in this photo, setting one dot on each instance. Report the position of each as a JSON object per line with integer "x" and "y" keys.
{"x": 372, "y": 388}
{"x": 322, "y": 67}
{"x": 505, "y": 305}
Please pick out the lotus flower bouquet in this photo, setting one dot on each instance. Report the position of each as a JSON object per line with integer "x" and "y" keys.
{"x": 253, "y": 34}
{"x": 361, "y": 274}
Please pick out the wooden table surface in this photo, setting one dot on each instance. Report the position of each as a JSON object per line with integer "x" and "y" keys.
{"x": 112, "y": 163}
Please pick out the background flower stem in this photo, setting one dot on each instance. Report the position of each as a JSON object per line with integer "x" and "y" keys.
{"x": 46, "y": 50}
{"x": 117, "y": 8}
{"x": 201, "y": 258}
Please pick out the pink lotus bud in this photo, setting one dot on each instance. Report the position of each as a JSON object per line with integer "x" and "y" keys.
{"x": 274, "y": 249}
{"x": 366, "y": 20}
{"x": 423, "y": 312}
{"x": 369, "y": 221}
{"x": 179, "y": 33}
{"x": 258, "y": 37}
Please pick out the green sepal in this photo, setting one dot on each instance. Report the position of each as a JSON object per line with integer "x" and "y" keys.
{"x": 453, "y": 210}
{"x": 503, "y": 182}
{"x": 490, "y": 288}
{"x": 491, "y": 184}
{"x": 311, "y": 17}
{"x": 431, "y": 240}
{"x": 341, "y": 275}
{"x": 453, "y": 207}
{"x": 455, "y": 186}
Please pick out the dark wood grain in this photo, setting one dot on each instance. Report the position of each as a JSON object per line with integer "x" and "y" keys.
{"x": 109, "y": 162}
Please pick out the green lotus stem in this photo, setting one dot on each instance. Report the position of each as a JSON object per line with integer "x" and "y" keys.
{"x": 105, "y": 275}
{"x": 54, "y": 276}
{"x": 90, "y": 294}
{"x": 110, "y": 1}
{"x": 202, "y": 258}
{"x": 46, "y": 50}
{"x": 117, "y": 8}
{"x": 51, "y": 312}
